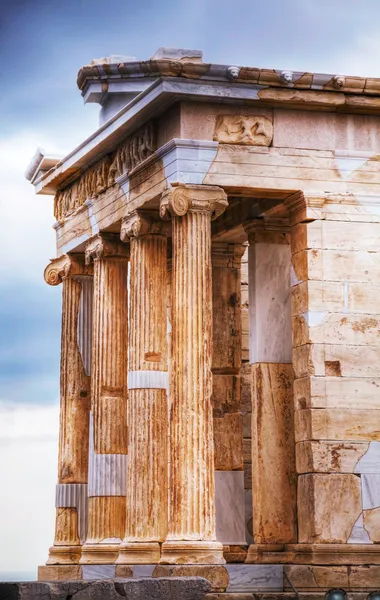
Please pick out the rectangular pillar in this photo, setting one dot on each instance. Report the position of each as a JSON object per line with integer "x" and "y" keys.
{"x": 273, "y": 461}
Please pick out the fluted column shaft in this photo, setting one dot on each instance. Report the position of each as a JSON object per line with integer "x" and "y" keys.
{"x": 147, "y": 479}
{"x": 71, "y": 491}
{"x": 191, "y": 536}
{"x": 108, "y": 433}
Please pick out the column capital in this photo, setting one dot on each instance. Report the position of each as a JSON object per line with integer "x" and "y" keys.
{"x": 141, "y": 222}
{"x": 105, "y": 245}
{"x": 64, "y": 266}
{"x": 182, "y": 198}
{"x": 275, "y": 230}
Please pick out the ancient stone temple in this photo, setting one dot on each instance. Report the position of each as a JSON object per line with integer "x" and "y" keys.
{"x": 218, "y": 248}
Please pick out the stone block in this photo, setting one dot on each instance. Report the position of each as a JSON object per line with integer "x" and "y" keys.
{"x": 333, "y": 265}
{"x": 365, "y": 577}
{"x": 336, "y": 361}
{"x": 59, "y": 572}
{"x": 330, "y": 457}
{"x": 215, "y": 574}
{"x": 123, "y": 571}
{"x": 251, "y": 578}
{"x": 333, "y": 424}
{"x": 337, "y": 392}
{"x": 318, "y": 327}
{"x": 310, "y": 578}
{"x": 328, "y": 507}
{"x": 228, "y": 442}
{"x": 235, "y": 553}
{"x": 371, "y": 522}
{"x": 225, "y": 394}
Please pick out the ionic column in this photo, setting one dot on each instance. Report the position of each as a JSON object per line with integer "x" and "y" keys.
{"x": 191, "y": 537}
{"x": 108, "y": 428}
{"x": 273, "y": 450}
{"x": 71, "y": 490}
{"x": 147, "y": 481}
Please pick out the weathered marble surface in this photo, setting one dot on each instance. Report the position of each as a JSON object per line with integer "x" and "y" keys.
{"x": 229, "y": 507}
{"x": 172, "y": 588}
{"x": 246, "y": 578}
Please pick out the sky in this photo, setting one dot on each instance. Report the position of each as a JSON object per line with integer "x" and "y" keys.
{"x": 43, "y": 43}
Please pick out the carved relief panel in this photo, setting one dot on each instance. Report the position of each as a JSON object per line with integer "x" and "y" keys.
{"x": 240, "y": 129}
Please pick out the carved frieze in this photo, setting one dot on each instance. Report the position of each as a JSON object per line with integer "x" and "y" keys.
{"x": 132, "y": 152}
{"x": 244, "y": 130}
{"x": 98, "y": 178}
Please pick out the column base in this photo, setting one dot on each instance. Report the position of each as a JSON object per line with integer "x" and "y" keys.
{"x": 267, "y": 554}
{"x": 314, "y": 554}
{"x": 139, "y": 553}
{"x": 334, "y": 554}
{"x": 59, "y": 573}
{"x": 99, "y": 554}
{"x": 64, "y": 555}
{"x": 192, "y": 553}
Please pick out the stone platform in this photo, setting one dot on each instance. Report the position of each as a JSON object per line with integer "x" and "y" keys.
{"x": 186, "y": 588}
{"x": 238, "y": 581}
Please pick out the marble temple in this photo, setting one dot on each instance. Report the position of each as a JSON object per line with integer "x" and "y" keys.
{"x": 218, "y": 247}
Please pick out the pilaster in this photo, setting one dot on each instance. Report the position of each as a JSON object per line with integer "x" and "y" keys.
{"x": 108, "y": 434}
{"x": 191, "y": 537}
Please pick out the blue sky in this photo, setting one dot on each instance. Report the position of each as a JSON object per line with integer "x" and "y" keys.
{"x": 43, "y": 44}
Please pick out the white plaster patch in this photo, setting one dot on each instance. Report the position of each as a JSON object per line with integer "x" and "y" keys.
{"x": 74, "y": 495}
{"x": 370, "y": 491}
{"x": 358, "y": 534}
{"x": 348, "y": 161}
{"x": 147, "y": 380}
{"x": 252, "y": 578}
{"x": 314, "y": 317}
{"x": 229, "y": 507}
{"x": 270, "y": 315}
{"x": 92, "y": 218}
{"x": 143, "y": 570}
{"x": 320, "y": 80}
{"x": 293, "y": 277}
{"x": 74, "y": 243}
{"x": 98, "y": 571}
{"x": 370, "y": 461}
{"x": 188, "y": 161}
{"x": 107, "y": 473}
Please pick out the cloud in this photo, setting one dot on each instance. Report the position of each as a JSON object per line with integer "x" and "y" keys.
{"x": 28, "y": 472}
